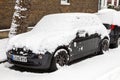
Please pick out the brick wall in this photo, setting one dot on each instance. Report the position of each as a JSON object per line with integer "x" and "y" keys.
{"x": 6, "y": 12}
{"x": 39, "y": 8}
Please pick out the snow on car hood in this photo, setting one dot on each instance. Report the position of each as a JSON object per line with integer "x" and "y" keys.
{"x": 109, "y": 16}
{"x": 40, "y": 43}
{"x": 57, "y": 30}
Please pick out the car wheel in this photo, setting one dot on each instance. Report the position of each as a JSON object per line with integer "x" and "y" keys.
{"x": 118, "y": 42}
{"x": 60, "y": 59}
{"x": 104, "y": 46}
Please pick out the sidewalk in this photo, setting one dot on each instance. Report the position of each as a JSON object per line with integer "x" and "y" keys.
{"x": 3, "y": 45}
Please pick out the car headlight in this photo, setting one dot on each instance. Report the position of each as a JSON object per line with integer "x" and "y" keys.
{"x": 40, "y": 56}
{"x": 9, "y": 52}
{"x": 14, "y": 48}
{"x": 24, "y": 49}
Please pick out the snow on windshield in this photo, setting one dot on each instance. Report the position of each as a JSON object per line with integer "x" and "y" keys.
{"x": 60, "y": 22}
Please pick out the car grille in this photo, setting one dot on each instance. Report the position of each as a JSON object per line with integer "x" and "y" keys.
{"x": 20, "y": 51}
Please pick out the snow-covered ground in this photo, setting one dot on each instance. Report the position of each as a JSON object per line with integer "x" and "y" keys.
{"x": 102, "y": 67}
{"x": 3, "y": 45}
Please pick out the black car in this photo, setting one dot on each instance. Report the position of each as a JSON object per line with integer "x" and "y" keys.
{"x": 57, "y": 40}
{"x": 114, "y": 35}
{"x": 110, "y": 19}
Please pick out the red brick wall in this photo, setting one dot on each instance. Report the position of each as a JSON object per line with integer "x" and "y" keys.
{"x": 39, "y": 8}
{"x": 6, "y": 12}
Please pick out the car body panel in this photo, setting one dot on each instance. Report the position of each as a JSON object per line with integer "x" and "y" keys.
{"x": 34, "y": 63}
{"x": 114, "y": 33}
{"x": 83, "y": 46}
{"x": 80, "y": 46}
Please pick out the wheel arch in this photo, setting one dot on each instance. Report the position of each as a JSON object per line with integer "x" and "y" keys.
{"x": 100, "y": 44}
{"x": 52, "y": 66}
{"x": 106, "y": 37}
{"x": 62, "y": 47}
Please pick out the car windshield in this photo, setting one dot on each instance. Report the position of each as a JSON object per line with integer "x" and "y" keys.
{"x": 65, "y": 22}
{"x": 53, "y": 23}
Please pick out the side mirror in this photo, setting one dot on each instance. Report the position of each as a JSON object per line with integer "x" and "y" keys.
{"x": 80, "y": 32}
{"x": 86, "y": 35}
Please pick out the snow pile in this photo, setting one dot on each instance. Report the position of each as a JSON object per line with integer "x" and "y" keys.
{"x": 109, "y": 16}
{"x": 3, "y": 30}
{"x": 57, "y": 30}
{"x": 106, "y": 10}
{"x": 3, "y": 45}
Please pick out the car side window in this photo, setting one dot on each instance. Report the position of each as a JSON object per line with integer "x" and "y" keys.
{"x": 81, "y": 38}
{"x": 107, "y": 26}
{"x": 80, "y": 32}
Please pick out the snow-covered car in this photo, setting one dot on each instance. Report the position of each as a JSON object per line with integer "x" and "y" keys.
{"x": 57, "y": 40}
{"x": 111, "y": 20}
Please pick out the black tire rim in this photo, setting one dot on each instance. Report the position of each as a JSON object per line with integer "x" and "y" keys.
{"x": 118, "y": 41}
{"x": 61, "y": 58}
{"x": 105, "y": 45}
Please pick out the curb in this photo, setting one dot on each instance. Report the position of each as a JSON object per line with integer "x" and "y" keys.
{"x": 3, "y": 61}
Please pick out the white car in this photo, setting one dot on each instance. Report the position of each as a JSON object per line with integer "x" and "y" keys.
{"x": 57, "y": 40}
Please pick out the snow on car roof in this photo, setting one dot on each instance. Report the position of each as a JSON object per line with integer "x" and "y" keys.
{"x": 109, "y": 16}
{"x": 57, "y": 30}
{"x": 66, "y": 20}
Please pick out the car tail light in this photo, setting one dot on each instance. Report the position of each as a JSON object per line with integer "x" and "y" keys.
{"x": 112, "y": 27}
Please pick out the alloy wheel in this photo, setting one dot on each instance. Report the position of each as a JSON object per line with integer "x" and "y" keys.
{"x": 105, "y": 45}
{"x": 61, "y": 58}
{"x": 118, "y": 42}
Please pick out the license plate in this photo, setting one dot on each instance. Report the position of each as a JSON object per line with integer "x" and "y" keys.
{"x": 19, "y": 58}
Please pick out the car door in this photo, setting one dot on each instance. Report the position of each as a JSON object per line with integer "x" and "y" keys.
{"x": 83, "y": 46}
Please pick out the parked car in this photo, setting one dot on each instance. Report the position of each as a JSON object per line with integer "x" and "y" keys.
{"x": 111, "y": 20}
{"x": 57, "y": 40}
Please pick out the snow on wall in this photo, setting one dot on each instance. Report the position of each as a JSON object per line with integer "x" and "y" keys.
{"x": 57, "y": 30}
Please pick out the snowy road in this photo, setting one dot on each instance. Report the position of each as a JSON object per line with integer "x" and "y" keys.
{"x": 102, "y": 67}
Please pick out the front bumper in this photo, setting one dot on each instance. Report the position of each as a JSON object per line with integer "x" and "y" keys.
{"x": 33, "y": 62}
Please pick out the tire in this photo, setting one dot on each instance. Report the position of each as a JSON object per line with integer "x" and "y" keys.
{"x": 104, "y": 46}
{"x": 116, "y": 44}
{"x": 60, "y": 59}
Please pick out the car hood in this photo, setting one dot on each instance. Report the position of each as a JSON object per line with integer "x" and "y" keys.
{"x": 42, "y": 42}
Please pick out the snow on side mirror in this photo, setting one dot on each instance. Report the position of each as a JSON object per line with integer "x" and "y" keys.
{"x": 80, "y": 33}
